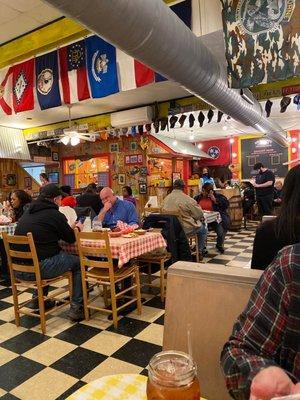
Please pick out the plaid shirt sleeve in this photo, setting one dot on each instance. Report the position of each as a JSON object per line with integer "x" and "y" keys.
{"x": 258, "y": 332}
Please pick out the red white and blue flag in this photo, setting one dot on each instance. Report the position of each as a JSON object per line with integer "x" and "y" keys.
{"x": 5, "y": 91}
{"x": 22, "y": 86}
{"x": 73, "y": 73}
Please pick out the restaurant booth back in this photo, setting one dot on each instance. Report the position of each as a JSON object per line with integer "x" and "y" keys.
{"x": 205, "y": 298}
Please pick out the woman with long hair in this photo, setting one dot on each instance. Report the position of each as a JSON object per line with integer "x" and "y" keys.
{"x": 283, "y": 230}
{"x": 18, "y": 203}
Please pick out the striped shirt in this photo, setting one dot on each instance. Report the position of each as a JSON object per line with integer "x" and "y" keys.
{"x": 267, "y": 333}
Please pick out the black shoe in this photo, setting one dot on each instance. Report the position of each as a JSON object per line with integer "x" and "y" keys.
{"x": 220, "y": 248}
{"x": 76, "y": 313}
{"x": 34, "y": 304}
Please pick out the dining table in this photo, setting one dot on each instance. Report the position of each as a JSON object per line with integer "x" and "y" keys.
{"x": 211, "y": 216}
{"x": 114, "y": 387}
{"x": 8, "y": 228}
{"x": 124, "y": 248}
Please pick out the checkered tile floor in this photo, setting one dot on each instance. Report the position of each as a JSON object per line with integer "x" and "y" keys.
{"x": 52, "y": 366}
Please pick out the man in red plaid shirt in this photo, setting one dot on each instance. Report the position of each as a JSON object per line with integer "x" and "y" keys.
{"x": 261, "y": 360}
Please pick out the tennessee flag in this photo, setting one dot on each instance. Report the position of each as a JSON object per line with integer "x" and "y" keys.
{"x": 22, "y": 85}
{"x": 5, "y": 91}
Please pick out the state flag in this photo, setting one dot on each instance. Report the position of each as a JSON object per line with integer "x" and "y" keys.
{"x": 73, "y": 72}
{"x": 5, "y": 91}
{"x": 47, "y": 80}
{"x": 102, "y": 67}
{"x": 22, "y": 86}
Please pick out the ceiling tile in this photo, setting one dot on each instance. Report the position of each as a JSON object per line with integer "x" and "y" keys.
{"x": 7, "y": 13}
{"x": 44, "y": 14}
{"x": 22, "y": 5}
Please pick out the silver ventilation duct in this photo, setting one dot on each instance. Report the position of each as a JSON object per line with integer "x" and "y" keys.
{"x": 149, "y": 31}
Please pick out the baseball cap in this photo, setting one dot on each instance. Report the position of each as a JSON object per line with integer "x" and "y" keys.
{"x": 50, "y": 191}
{"x": 178, "y": 184}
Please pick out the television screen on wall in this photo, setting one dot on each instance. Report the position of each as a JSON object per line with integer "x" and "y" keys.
{"x": 53, "y": 177}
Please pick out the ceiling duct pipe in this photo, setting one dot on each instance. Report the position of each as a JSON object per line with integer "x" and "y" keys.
{"x": 150, "y": 32}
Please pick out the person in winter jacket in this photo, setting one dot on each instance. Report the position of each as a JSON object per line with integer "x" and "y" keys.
{"x": 48, "y": 226}
{"x": 210, "y": 200}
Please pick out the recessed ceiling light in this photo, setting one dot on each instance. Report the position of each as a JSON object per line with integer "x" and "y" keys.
{"x": 200, "y": 145}
{"x": 224, "y": 128}
{"x": 231, "y": 140}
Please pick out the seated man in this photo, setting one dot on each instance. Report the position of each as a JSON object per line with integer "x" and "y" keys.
{"x": 212, "y": 201}
{"x": 277, "y": 194}
{"x": 48, "y": 226}
{"x": 262, "y": 357}
{"x": 191, "y": 215}
{"x": 115, "y": 210}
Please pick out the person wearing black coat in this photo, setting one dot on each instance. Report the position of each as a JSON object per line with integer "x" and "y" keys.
{"x": 283, "y": 230}
{"x": 48, "y": 226}
{"x": 90, "y": 198}
{"x": 210, "y": 200}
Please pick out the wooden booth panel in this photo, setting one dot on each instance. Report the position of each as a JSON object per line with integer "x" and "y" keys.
{"x": 208, "y": 298}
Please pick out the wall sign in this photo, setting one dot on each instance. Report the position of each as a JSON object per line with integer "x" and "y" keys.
{"x": 134, "y": 159}
{"x": 269, "y": 153}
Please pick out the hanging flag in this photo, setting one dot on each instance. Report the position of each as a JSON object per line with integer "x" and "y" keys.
{"x": 102, "y": 67}
{"x": 183, "y": 10}
{"x": 143, "y": 74}
{"x": 218, "y": 150}
{"x": 5, "y": 91}
{"x": 22, "y": 86}
{"x": 73, "y": 73}
{"x": 262, "y": 41}
{"x": 126, "y": 73}
{"x": 47, "y": 80}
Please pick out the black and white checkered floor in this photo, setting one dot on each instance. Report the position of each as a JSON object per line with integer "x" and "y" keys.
{"x": 52, "y": 366}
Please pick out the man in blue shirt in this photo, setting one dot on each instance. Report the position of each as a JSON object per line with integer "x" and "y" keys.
{"x": 115, "y": 210}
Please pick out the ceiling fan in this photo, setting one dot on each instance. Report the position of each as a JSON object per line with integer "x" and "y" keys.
{"x": 74, "y": 133}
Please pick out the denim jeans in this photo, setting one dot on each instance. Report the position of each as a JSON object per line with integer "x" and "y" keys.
{"x": 58, "y": 265}
{"x": 220, "y": 231}
{"x": 201, "y": 233}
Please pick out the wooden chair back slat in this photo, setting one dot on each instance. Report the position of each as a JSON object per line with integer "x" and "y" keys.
{"x": 85, "y": 251}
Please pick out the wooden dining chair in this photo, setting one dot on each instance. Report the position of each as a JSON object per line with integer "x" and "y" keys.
{"x": 22, "y": 257}
{"x": 97, "y": 269}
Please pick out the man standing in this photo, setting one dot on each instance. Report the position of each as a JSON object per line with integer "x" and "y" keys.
{"x": 191, "y": 215}
{"x": 48, "y": 226}
{"x": 115, "y": 210}
{"x": 264, "y": 188}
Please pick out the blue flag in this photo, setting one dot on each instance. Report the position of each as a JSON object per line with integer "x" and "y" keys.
{"x": 101, "y": 66}
{"x": 47, "y": 77}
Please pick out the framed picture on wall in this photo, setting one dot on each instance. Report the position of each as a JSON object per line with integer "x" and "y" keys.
{"x": 133, "y": 146}
{"x": 55, "y": 156}
{"x": 142, "y": 188}
{"x": 11, "y": 180}
{"x": 27, "y": 182}
{"x": 114, "y": 147}
{"x": 121, "y": 179}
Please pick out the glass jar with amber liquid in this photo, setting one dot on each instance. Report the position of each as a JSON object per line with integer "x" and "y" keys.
{"x": 172, "y": 375}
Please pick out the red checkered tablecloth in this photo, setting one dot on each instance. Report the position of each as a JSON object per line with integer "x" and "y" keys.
{"x": 124, "y": 249}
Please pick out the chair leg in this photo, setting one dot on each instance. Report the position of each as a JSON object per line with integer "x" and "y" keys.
{"x": 138, "y": 291}
{"x": 114, "y": 305}
{"x": 85, "y": 299}
{"x": 149, "y": 273}
{"x": 16, "y": 302}
{"x": 41, "y": 308}
{"x": 105, "y": 295}
{"x": 162, "y": 280}
{"x": 71, "y": 286}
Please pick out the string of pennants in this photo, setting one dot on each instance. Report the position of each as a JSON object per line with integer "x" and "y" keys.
{"x": 89, "y": 68}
